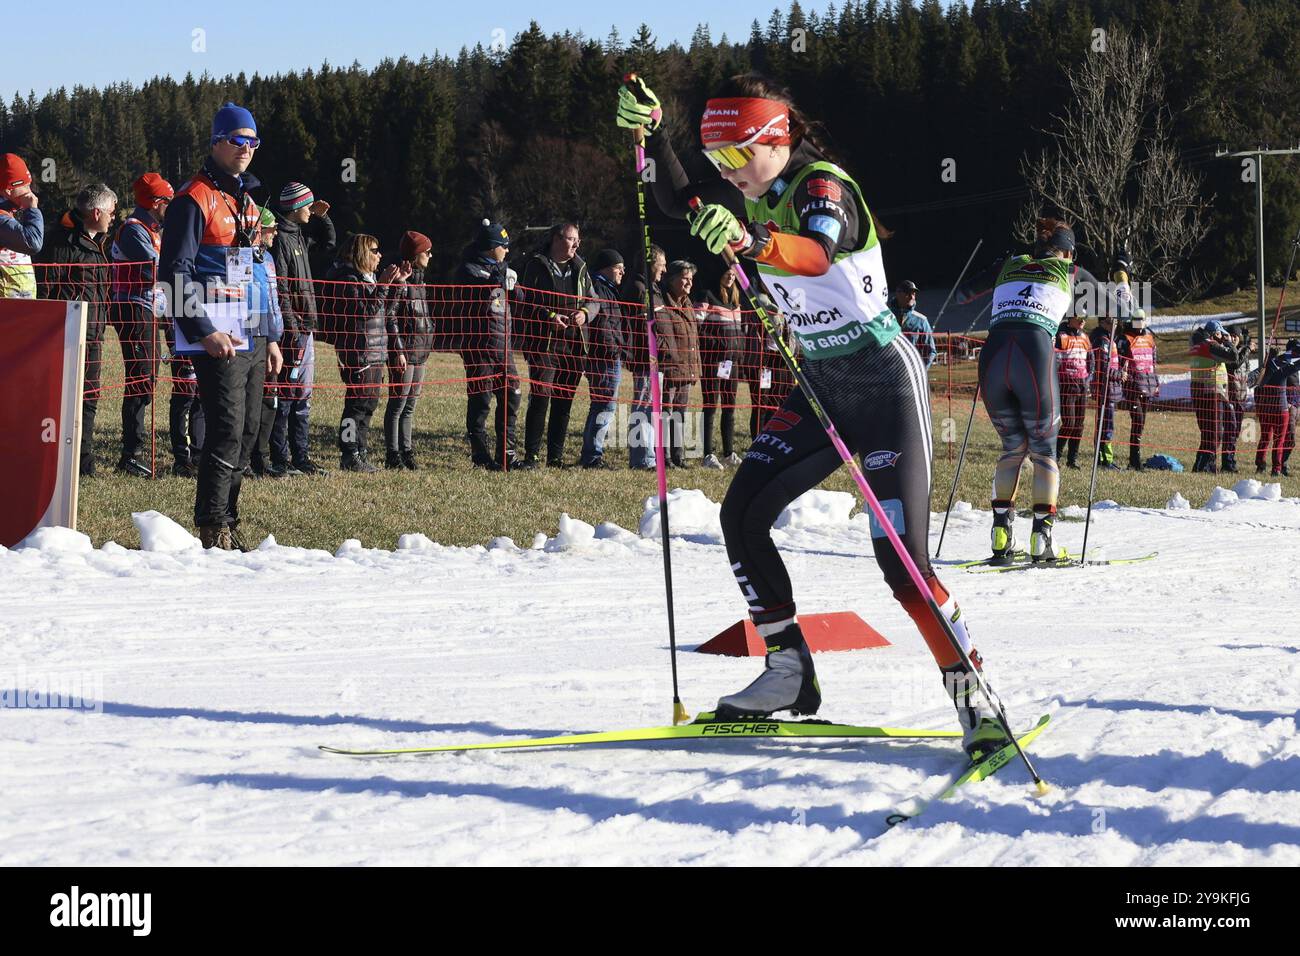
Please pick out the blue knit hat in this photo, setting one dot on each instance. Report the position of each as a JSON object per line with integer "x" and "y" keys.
{"x": 230, "y": 118}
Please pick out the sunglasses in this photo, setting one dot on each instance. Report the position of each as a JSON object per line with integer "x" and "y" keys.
{"x": 733, "y": 157}
{"x": 251, "y": 142}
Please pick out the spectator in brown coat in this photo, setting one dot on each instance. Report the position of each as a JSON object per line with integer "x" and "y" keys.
{"x": 678, "y": 338}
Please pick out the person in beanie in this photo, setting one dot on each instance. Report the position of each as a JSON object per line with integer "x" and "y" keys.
{"x": 558, "y": 304}
{"x": 360, "y": 304}
{"x": 406, "y": 368}
{"x": 22, "y": 229}
{"x": 75, "y": 245}
{"x": 133, "y": 310}
{"x": 722, "y": 349}
{"x": 481, "y": 309}
{"x": 1073, "y": 373}
{"x": 304, "y": 228}
{"x": 1107, "y": 387}
{"x": 916, "y": 327}
{"x": 1211, "y": 348}
{"x": 206, "y": 265}
{"x": 677, "y": 334}
{"x": 1141, "y": 385}
{"x": 604, "y": 356}
{"x": 1238, "y": 388}
{"x": 1276, "y": 425}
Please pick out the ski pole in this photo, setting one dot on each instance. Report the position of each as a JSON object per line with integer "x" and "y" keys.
{"x": 961, "y": 457}
{"x": 680, "y": 716}
{"x": 1096, "y": 448}
{"x": 953, "y": 290}
{"x": 874, "y": 504}
{"x": 1272, "y": 332}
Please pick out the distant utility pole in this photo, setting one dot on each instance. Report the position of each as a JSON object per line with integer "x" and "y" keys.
{"x": 1259, "y": 155}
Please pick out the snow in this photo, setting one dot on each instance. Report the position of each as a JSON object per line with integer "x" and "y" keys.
{"x": 205, "y": 681}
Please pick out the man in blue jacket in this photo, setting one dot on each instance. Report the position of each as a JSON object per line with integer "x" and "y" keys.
{"x": 914, "y": 324}
{"x": 206, "y": 263}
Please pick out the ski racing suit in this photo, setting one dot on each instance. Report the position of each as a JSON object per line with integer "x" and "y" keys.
{"x": 868, "y": 377}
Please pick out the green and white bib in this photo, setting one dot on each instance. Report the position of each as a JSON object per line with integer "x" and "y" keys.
{"x": 843, "y": 310}
{"x": 1032, "y": 290}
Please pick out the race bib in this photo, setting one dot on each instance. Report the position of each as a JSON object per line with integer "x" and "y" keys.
{"x": 724, "y": 368}
{"x": 239, "y": 265}
{"x": 765, "y": 378}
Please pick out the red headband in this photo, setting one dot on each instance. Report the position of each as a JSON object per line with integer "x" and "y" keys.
{"x": 744, "y": 121}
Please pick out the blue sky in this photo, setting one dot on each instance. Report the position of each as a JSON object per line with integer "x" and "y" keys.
{"x": 97, "y": 43}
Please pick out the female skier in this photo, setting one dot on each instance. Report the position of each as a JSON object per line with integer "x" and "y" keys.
{"x": 781, "y": 203}
{"x": 1018, "y": 381}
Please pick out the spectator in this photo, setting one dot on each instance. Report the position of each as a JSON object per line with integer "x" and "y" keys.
{"x": 1211, "y": 348}
{"x": 605, "y": 352}
{"x": 266, "y": 325}
{"x": 1234, "y": 408}
{"x": 80, "y": 271}
{"x": 484, "y": 284}
{"x": 305, "y": 228}
{"x": 679, "y": 353}
{"x": 136, "y": 306}
{"x": 916, "y": 327}
{"x": 406, "y": 368}
{"x": 1280, "y": 381}
{"x": 641, "y": 438}
{"x": 722, "y": 353}
{"x": 1102, "y": 339}
{"x": 1073, "y": 372}
{"x": 364, "y": 333}
{"x": 766, "y": 374}
{"x": 558, "y": 304}
{"x": 1141, "y": 385}
{"x": 22, "y": 229}
{"x": 207, "y": 262}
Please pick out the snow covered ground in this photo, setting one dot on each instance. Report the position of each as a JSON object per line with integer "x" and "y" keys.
{"x": 1173, "y": 685}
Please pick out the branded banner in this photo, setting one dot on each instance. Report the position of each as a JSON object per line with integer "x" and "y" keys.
{"x": 42, "y": 346}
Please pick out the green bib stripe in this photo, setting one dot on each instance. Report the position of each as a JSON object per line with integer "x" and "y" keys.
{"x": 1032, "y": 290}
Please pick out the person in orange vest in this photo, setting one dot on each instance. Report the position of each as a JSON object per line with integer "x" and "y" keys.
{"x": 206, "y": 264}
{"x": 22, "y": 229}
{"x": 1140, "y": 383}
{"x": 1073, "y": 372}
{"x": 133, "y": 310}
{"x": 1106, "y": 386}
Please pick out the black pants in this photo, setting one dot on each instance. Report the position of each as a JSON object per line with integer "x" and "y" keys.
{"x": 362, "y": 388}
{"x": 254, "y": 413}
{"x": 404, "y": 387}
{"x": 185, "y": 423}
{"x": 484, "y": 382}
{"x": 878, "y": 400}
{"x": 223, "y": 392}
{"x": 137, "y": 333}
{"x": 719, "y": 393}
{"x": 90, "y": 395}
{"x": 554, "y": 381}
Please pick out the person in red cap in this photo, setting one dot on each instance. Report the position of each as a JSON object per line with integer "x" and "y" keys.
{"x": 134, "y": 306}
{"x": 22, "y": 229}
{"x": 408, "y": 353}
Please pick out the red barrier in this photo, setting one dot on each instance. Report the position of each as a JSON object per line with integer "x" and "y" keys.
{"x": 837, "y": 631}
{"x": 41, "y": 356}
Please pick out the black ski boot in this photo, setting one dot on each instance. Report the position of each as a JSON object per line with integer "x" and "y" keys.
{"x": 1041, "y": 548}
{"x": 982, "y": 733}
{"x": 1003, "y": 536}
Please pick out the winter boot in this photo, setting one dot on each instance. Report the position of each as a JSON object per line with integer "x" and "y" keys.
{"x": 1004, "y": 531}
{"x": 982, "y": 733}
{"x": 1073, "y": 461}
{"x": 1135, "y": 459}
{"x": 392, "y": 458}
{"x": 1229, "y": 464}
{"x": 788, "y": 681}
{"x": 1040, "y": 539}
{"x": 408, "y": 460}
{"x": 215, "y": 536}
{"x": 351, "y": 460}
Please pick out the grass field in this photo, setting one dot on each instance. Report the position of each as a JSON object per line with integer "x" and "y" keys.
{"x": 456, "y": 504}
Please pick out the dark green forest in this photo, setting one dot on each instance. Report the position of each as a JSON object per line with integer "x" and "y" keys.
{"x": 525, "y": 134}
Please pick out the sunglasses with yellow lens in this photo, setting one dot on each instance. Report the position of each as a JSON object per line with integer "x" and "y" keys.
{"x": 730, "y": 157}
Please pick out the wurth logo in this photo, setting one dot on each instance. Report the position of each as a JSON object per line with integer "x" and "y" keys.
{"x": 765, "y": 439}
{"x": 782, "y": 421}
{"x": 746, "y": 589}
{"x": 825, "y": 188}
